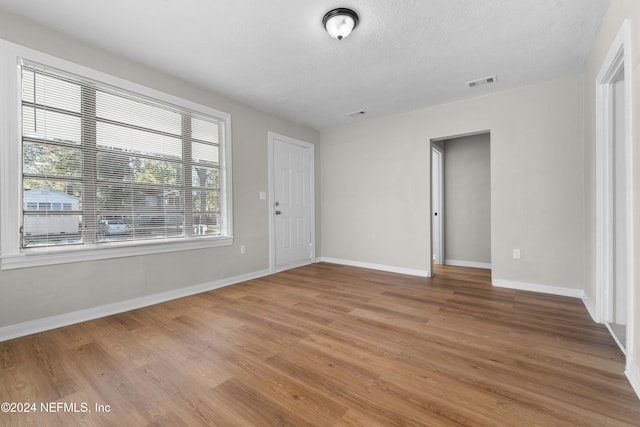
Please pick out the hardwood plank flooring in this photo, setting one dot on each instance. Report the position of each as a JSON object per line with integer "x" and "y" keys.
{"x": 328, "y": 345}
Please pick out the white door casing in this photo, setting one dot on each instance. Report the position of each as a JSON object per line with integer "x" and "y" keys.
{"x": 292, "y": 206}
{"x": 608, "y": 263}
{"x": 620, "y": 208}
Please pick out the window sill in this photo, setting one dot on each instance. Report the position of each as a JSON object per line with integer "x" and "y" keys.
{"x": 49, "y": 256}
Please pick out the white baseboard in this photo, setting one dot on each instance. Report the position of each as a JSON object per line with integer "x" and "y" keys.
{"x": 53, "y": 322}
{"x": 633, "y": 374}
{"x": 534, "y": 287}
{"x": 472, "y": 264}
{"x": 381, "y": 267}
{"x": 591, "y": 308}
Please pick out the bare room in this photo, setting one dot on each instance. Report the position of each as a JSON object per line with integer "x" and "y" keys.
{"x": 359, "y": 213}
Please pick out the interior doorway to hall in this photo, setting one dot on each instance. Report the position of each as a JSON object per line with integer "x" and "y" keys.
{"x": 461, "y": 200}
{"x": 614, "y": 247}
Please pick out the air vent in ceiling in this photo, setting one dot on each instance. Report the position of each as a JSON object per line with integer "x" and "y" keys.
{"x": 483, "y": 81}
{"x": 356, "y": 113}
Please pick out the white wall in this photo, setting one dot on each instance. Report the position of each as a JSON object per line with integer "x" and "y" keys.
{"x": 617, "y": 13}
{"x": 375, "y": 182}
{"x": 33, "y": 293}
{"x": 467, "y": 200}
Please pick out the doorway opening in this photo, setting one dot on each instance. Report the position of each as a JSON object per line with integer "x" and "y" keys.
{"x": 613, "y": 192}
{"x": 461, "y": 201}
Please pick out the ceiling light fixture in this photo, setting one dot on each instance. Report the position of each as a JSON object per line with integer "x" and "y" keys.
{"x": 340, "y": 22}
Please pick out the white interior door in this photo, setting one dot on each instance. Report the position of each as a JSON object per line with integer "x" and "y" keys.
{"x": 292, "y": 199}
{"x": 437, "y": 204}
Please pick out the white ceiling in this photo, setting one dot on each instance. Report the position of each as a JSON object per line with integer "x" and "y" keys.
{"x": 276, "y": 56}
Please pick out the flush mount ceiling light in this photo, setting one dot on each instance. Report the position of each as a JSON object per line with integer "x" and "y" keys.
{"x": 340, "y": 22}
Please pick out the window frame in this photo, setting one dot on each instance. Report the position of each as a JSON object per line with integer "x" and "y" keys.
{"x": 11, "y": 254}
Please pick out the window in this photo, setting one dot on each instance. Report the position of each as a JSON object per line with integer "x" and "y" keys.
{"x": 105, "y": 167}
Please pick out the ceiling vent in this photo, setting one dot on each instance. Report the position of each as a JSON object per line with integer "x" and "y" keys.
{"x": 483, "y": 81}
{"x": 356, "y": 113}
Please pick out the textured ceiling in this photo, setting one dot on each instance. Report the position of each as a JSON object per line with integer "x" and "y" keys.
{"x": 276, "y": 56}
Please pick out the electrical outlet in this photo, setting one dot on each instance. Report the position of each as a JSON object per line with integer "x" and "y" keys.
{"x": 516, "y": 254}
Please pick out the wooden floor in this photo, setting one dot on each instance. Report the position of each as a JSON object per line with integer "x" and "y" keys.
{"x": 327, "y": 345}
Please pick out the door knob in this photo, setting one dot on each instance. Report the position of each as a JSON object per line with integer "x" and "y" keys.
{"x": 278, "y": 212}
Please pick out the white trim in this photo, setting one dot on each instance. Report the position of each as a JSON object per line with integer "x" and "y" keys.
{"x": 633, "y": 375}
{"x": 271, "y": 136}
{"x": 10, "y": 154}
{"x": 48, "y": 323}
{"x": 381, "y": 267}
{"x": 11, "y": 256}
{"x": 591, "y": 307}
{"x": 615, "y": 58}
{"x": 619, "y": 55}
{"x": 534, "y": 287}
{"x": 472, "y": 264}
{"x": 53, "y": 256}
{"x": 437, "y": 233}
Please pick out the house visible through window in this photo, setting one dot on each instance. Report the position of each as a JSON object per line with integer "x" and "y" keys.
{"x": 103, "y": 165}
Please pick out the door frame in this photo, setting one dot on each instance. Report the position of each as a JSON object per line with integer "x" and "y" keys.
{"x": 437, "y": 232}
{"x": 272, "y": 136}
{"x": 443, "y": 139}
{"x": 617, "y": 57}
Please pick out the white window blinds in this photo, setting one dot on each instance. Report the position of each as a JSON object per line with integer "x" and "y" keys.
{"x": 103, "y": 165}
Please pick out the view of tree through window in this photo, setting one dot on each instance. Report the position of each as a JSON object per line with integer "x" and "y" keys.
{"x": 125, "y": 168}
